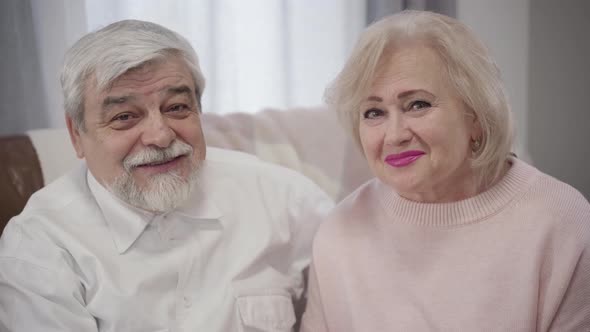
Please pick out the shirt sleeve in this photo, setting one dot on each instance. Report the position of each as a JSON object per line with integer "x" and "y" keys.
{"x": 308, "y": 207}
{"x": 313, "y": 318}
{"x": 35, "y": 297}
{"x": 311, "y": 207}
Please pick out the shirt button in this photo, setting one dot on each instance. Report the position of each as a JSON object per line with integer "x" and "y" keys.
{"x": 187, "y": 301}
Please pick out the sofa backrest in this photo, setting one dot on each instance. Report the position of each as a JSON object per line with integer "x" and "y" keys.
{"x": 308, "y": 140}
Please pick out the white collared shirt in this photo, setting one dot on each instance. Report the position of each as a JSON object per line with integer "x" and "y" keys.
{"x": 230, "y": 259}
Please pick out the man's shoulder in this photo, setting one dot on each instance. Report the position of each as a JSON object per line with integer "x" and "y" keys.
{"x": 52, "y": 208}
{"x": 59, "y": 194}
{"x": 247, "y": 181}
{"x": 219, "y": 155}
{"x": 37, "y": 233}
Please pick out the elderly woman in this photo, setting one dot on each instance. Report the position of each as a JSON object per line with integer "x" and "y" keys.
{"x": 455, "y": 233}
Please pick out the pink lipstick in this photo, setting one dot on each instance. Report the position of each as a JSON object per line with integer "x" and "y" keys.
{"x": 403, "y": 159}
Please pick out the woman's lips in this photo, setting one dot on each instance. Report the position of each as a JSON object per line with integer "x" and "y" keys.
{"x": 403, "y": 159}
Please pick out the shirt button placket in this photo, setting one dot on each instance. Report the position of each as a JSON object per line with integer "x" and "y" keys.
{"x": 187, "y": 301}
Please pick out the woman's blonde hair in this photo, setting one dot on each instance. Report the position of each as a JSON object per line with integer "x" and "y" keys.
{"x": 471, "y": 70}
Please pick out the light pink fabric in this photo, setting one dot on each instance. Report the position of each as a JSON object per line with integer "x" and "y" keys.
{"x": 514, "y": 258}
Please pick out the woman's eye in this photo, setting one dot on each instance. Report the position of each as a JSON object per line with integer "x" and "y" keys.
{"x": 418, "y": 105}
{"x": 373, "y": 113}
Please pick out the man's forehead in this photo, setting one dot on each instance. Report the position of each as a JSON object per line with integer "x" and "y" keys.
{"x": 118, "y": 98}
{"x": 172, "y": 67}
{"x": 162, "y": 87}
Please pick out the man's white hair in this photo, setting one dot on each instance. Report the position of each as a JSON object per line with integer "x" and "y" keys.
{"x": 110, "y": 52}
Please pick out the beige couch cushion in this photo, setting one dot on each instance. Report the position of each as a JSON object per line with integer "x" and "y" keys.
{"x": 309, "y": 140}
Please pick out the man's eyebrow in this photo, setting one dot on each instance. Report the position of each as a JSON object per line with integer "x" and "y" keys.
{"x": 178, "y": 90}
{"x": 111, "y": 101}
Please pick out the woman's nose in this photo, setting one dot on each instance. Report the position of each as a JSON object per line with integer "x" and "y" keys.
{"x": 397, "y": 131}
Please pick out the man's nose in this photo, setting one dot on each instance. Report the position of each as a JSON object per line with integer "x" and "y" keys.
{"x": 157, "y": 131}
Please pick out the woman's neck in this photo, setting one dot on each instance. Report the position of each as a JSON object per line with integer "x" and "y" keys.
{"x": 459, "y": 188}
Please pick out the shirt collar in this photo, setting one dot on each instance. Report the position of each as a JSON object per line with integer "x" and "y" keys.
{"x": 127, "y": 222}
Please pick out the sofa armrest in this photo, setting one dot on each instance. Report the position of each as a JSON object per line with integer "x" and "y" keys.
{"x": 20, "y": 175}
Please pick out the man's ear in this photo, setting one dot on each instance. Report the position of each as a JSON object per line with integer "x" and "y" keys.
{"x": 75, "y": 136}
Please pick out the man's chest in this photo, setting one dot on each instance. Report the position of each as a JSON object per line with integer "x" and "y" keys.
{"x": 189, "y": 276}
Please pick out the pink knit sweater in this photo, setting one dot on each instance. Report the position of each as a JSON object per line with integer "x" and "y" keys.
{"x": 514, "y": 258}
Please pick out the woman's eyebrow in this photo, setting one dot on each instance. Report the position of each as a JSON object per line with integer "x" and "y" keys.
{"x": 409, "y": 93}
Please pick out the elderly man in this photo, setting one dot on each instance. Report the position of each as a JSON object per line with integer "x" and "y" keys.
{"x": 150, "y": 234}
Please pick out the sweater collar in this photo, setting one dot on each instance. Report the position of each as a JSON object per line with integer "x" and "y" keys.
{"x": 514, "y": 183}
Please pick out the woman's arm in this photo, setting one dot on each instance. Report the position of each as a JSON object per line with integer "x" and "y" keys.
{"x": 313, "y": 318}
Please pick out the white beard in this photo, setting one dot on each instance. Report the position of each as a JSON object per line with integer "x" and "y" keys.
{"x": 163, "y": 192}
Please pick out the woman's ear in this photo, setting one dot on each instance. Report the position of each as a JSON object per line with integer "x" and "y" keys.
{"x": 476, "y": 130}
{"x": 75, "y": 137}
{"x": 476, "y": 135}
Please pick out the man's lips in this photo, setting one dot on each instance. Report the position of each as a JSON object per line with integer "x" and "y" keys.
{"x": 404, "y": 159}
{"x": 161, "y": 166}
{"x": 159, "y": 162}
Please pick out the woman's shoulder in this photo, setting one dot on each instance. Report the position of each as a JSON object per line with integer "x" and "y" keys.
{"x": 354, "y": 213}
{"x": 558, "y": 203}
{"x": 538, "y": 187}
{"x": 551, "y": 192}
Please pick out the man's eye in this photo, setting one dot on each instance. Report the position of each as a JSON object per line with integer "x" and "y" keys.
{"x": 418, "y": 105}
{"x": 178, "y": 108}
{"x": 373, "y": 113}
{"x": 123, "y": 117}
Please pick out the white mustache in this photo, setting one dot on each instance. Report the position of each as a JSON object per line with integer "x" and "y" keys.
{"x": 153, "y": 155}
